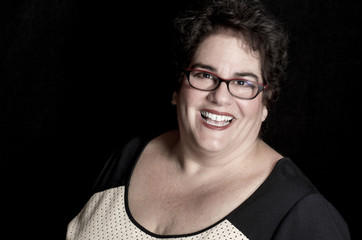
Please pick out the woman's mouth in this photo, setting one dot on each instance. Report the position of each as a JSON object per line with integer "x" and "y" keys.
{"x": 214, "y": 119}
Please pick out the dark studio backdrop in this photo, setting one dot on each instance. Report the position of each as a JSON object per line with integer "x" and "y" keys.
{"x": 79, "y": 78}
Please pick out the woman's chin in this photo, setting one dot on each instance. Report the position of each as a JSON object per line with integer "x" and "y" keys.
{"x": 213, "y": 143}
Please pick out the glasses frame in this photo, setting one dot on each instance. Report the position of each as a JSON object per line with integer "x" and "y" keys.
{"x": 261, "y": 86}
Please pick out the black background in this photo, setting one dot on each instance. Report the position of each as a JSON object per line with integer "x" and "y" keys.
{"x": 78, "y": 78}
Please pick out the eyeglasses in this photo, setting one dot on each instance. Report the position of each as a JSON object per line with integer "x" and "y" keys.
{"x": 238, "y": 87}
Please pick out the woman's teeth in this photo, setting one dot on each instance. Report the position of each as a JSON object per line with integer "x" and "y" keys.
{"x": 216, "y": 120}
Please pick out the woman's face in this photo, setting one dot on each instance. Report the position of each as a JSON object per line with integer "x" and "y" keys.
{"x": 200, "y": 113}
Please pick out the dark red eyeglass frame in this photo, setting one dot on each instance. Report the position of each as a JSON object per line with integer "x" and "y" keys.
{"x": 261, "y": 86}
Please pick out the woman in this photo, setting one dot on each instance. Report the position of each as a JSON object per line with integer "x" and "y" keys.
{"x": 214, "y": 178}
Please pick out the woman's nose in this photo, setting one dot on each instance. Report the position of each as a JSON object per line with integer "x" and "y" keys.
{"x": 221, "y": 96}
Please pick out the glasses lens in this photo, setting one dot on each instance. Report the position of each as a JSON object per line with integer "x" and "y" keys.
{"x": 203, "y": 80}
{"x": 243, "y": 89}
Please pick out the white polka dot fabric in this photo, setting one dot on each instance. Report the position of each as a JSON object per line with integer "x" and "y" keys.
{"x": 105, "y": 217}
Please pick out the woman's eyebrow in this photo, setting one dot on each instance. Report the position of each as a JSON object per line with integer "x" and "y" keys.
{"x": 247, "y": 74}
{"x": 200, "y": 65}
{"x": 213, "y": 69}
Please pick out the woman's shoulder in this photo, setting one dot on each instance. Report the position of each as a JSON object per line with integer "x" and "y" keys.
{"x": 313, "y": 217}
{"x": 289, "y": 174}
{"x": 122, "y": 161}
{"x": 165, "y": 141}
{"x": 287, "y": 181}
{"x": 286, "y": 196}
{"x": 116, "y": 171}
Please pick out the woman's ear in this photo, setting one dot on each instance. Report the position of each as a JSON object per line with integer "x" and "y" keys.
{"x": 174, "y": 98}
{"x": 265, "y": 113}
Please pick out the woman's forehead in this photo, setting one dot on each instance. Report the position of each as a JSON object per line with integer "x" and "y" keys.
{"x": 226, "y": 51}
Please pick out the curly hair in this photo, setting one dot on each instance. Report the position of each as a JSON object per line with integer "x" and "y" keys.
{"x": 261, "y": 31}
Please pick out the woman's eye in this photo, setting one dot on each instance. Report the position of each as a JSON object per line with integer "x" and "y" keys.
{"x": 244, "y": 84}
{"x": 240, "y": 83}
{"x": 204, "y": 75}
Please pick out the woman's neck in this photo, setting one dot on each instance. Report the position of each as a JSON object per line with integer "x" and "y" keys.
{"x": 193, "y": 161}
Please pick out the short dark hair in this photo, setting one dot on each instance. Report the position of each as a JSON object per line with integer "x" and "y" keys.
{"x": 259, "y": 28}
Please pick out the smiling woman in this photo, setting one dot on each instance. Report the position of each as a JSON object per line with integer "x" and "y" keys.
{"x": 223, "y": 52}
{"x": 213, "y": 178}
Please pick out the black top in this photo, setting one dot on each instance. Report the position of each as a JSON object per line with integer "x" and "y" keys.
{"x": 285, "y": 206}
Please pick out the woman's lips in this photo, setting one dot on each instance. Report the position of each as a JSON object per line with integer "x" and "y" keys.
{"x": 216, "y": 120}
